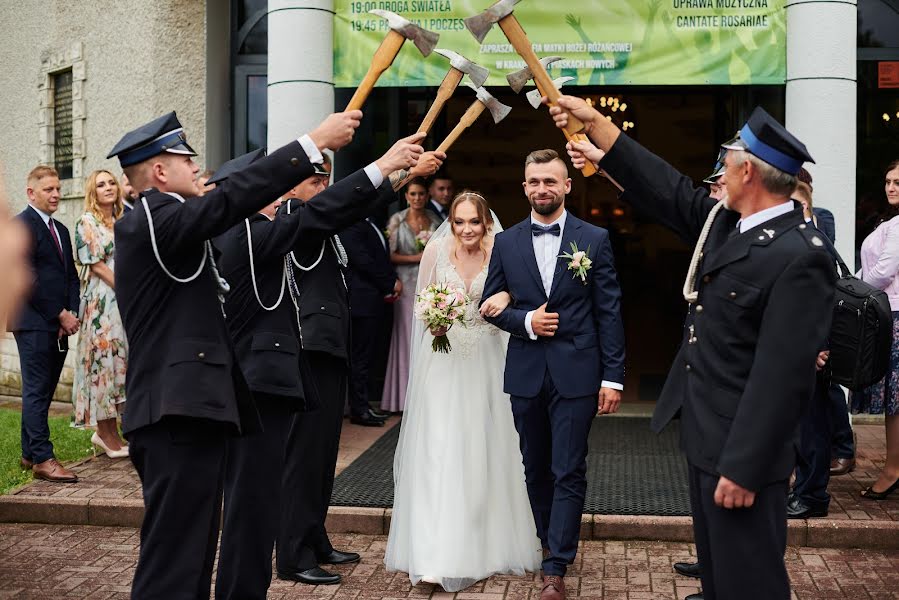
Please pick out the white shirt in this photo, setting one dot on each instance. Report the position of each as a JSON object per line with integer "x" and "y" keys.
{"x": 763, "y": 216}
{"x": 546, "y": 250}
{"x": 43, "y": 215}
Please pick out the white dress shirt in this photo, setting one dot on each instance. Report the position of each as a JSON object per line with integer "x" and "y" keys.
{"x": 546, "y": 250}
{"x": 763, "y": 216}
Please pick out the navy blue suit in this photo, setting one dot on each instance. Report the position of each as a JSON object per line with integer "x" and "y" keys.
{"x": 554, "y": 381}
{"x": 41, "y": 351}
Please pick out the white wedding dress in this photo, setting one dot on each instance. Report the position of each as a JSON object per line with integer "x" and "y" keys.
{"x": 460, "y": 510}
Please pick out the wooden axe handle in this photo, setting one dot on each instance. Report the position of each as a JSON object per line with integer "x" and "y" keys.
{"x": 444, "y": 92}
{"x": 589, "y": 170}
{"x": 471, "y": 115}
{"x": 380, "y": 62}
{"x": 519, "y": 40}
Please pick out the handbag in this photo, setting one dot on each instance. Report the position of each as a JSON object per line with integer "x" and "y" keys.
{"x": 861, "y": 333}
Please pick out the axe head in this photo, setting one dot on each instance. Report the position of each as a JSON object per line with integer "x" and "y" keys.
{"x": 480, "y": 24}
{"x": 520, "y": 78}
{"x": 423, "y": 39}
{"x": 534, "y": 95}
{"x": 476, "y": 73}
{"x": 497, "y": 109}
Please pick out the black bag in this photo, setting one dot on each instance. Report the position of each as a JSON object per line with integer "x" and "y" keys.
{"x": 861, "y": 335}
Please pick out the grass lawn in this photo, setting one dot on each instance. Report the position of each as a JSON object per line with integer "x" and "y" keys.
{"x": 69, "y": 444}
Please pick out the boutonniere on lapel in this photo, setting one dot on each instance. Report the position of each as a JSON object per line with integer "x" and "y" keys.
{"x": 578, "y": 263}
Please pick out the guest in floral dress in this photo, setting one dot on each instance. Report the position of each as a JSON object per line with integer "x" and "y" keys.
{"x": 408, "y": 230}
{"x": 99, "y": 388}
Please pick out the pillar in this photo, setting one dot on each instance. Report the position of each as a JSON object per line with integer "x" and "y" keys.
{"x": 300, "y": 67}
{"x": 821, "y": 104}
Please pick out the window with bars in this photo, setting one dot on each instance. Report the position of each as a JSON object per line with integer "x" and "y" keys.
{"x": 62, "y": 123}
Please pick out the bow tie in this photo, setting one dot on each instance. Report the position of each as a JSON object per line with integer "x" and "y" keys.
{"x": 538, "y": 230}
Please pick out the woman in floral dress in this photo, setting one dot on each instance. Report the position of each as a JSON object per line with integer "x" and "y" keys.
{"x": 408, "y": 231}
{"x": 99, "y": 388}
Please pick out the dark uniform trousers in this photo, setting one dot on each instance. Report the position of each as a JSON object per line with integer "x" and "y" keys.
{"x": 366, "y": 339}
{"x": 253, "y": 502}
{"x": 735, "y": 546}
{"x": 312, "y": 445}
{"x": 181, "y": 464}
{"x": 816, "y": 428}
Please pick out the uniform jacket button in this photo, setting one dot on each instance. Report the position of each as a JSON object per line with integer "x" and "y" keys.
{"x": 699, "y": 308}
{"x": 733, "y": 295}
{"x": 688, "y": 368}
{"x": 323, "y": 308}
{"x": 201, "y": 355}
{"x": 294, "y": 161}
{"x": 277, "y": 344}
{"x": 707, "y": 279}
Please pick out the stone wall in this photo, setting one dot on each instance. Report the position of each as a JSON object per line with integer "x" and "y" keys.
{"x": 131, "y": 60}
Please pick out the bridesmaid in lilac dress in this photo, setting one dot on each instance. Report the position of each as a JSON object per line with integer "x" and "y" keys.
{"x": 405, "y": 230}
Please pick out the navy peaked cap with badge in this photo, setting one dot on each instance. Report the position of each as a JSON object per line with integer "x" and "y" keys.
{"x": 320, "y": 169}
{"x": 236, "y": 164}
{"x": 764, "y": 137}
{"x": 163, "y": 134}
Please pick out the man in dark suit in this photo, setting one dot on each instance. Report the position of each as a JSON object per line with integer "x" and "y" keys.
{"x": 46, "y": 321}
{"x": 373, "y": 285}
{"x": 263, "y": 322}
{"x": 440, "y": 192}
{"x": 186, "y": 393}
{"x": 760, "y": 292}
{"x": 566, "y": 353}
{"x": 130, "y": 196}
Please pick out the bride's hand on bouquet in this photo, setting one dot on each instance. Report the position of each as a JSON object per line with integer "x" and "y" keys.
{"x": 495, "y": 304}
{"x": 609, "y": 401}
{"x": 439, "y": 331}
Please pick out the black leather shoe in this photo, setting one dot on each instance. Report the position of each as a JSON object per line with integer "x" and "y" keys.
{"x": 797, "y": 509}
{"x": 314, "y": 576}
{"x": 379, "y": 414}
{"x": 367, "y": 419}
{"x": 694, "y": 596}
{"x": 336, "y": 557}
{"x": 687, "y": 569}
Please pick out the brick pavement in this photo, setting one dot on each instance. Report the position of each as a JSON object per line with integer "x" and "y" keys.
{"x": 97, "y": 563}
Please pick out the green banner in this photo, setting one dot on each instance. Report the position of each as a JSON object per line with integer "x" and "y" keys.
{"x": 602, "y": 42}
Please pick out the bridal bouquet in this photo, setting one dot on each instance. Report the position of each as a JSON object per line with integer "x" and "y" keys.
{"x": 439, "y": 306}
{"x": 422, "y": 239}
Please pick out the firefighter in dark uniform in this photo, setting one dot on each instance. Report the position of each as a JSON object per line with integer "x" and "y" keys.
{"x": 759, "y": 295}
{"x": 317, "y": 284}
{"x": 264, "y": 325}
{"x": 187, "y": 395}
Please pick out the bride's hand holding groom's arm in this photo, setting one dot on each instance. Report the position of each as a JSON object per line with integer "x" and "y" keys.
{"x": 495, "y": 304}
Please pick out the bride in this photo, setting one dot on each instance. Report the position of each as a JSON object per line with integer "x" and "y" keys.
{"x": 460, "y": 510}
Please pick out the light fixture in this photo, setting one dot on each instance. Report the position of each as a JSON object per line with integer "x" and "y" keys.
{"x": 886, "y": 117}
{"x": 624, "y": 107}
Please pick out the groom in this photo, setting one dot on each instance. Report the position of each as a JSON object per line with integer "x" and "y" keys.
{"x": 566, "y": 353}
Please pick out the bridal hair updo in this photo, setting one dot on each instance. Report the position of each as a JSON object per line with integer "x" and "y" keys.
{"x": 480, "y": 205}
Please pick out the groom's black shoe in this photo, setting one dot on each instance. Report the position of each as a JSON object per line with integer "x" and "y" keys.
{"x": 314, "y": 576}
{"x": 687, "y": 569}
{"x": 694, "y": 596}
{"x": 336, "y": 557}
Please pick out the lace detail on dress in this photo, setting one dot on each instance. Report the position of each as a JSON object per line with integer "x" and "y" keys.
{"x": 464, "y": 338}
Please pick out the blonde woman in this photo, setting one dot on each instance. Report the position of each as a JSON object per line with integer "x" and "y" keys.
{"x": 98, "y": 393}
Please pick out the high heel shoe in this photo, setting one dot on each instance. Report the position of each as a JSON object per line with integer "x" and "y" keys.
{"x": 97, "y": 441}
{"x": 870, "y": 494}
